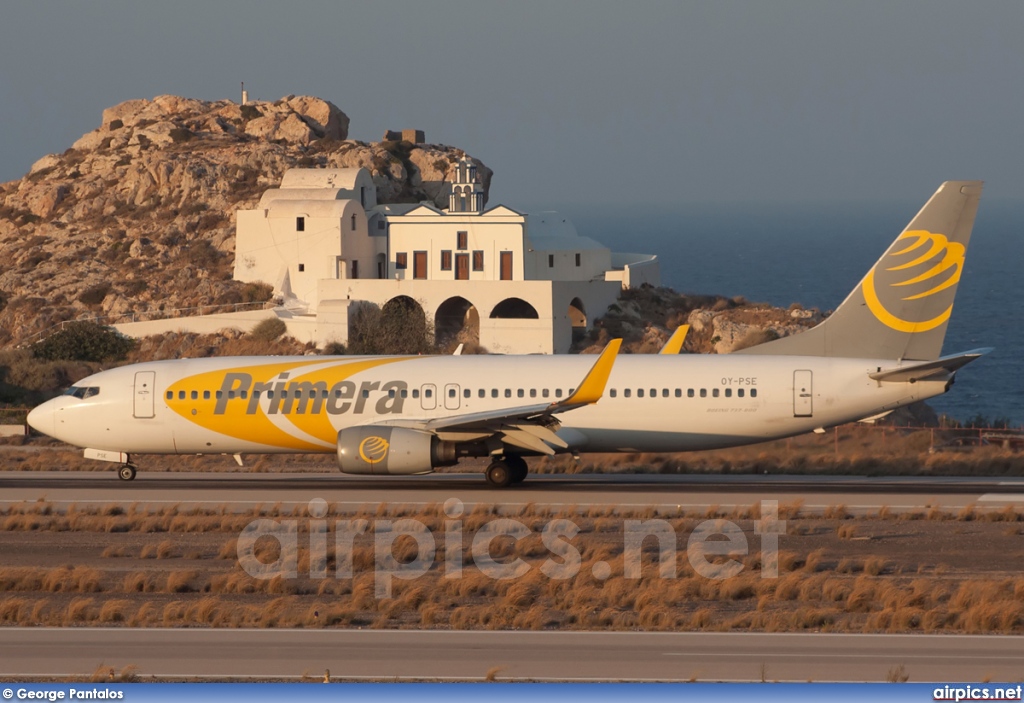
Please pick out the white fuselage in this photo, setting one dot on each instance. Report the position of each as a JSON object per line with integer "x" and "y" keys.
{"x": 654, "y": 403}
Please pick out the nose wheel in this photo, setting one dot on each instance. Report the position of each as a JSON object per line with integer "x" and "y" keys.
{"x": 126, "y": 472}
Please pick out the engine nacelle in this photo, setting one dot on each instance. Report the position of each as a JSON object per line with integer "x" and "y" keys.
{"x": 391, "y": 450}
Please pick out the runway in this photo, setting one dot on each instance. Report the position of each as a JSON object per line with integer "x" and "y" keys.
{"x": 460, "y": 655}
{"x": 860, "y": 494}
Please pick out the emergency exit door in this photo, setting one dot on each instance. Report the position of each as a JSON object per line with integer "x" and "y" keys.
{"x": 144, "y": 393}
{"x": 803, "y": 393}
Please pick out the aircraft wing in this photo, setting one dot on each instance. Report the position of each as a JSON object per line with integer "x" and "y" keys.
{"x": 675, "y": 343}
{"x": 920, "y": 371}
{"x": 529, "y": 427}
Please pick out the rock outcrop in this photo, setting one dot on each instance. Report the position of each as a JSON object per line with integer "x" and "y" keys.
{"x": 138, "y": 215}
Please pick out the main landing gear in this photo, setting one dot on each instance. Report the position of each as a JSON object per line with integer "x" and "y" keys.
{"x": 126, "y": 472}
{"x": 506, "y": 470}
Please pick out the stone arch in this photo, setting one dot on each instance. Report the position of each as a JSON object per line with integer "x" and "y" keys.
{"x": 404, "y": 304}
{"x": 514, "y": 308}
{"x": 577, "y": 319}
{"x": 457, "y": 321}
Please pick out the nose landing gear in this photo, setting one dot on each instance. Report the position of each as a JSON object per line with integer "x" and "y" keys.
{"x": 126, "y": 472}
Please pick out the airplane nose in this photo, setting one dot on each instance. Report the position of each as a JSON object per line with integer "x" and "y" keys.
{"x": 41, "y": 418}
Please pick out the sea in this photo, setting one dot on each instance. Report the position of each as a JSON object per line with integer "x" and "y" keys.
{"x": 815, "y": 254}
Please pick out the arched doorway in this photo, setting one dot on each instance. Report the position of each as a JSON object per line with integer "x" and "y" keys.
{"x": 514, "y": 308}
{"x": 457, "y": 322}
{"x": 578, "y": 319}
{"x": 400, "y": 327}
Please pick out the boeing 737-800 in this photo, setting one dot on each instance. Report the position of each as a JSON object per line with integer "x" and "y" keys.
{"x": 880, "y": 350}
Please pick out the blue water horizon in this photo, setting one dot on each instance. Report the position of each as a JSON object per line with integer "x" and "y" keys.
{"x": 816, "y": 253}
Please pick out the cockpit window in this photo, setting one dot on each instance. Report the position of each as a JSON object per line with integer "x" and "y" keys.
{"x": 82, "y": 391}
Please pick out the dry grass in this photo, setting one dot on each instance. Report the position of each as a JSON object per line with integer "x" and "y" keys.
{"x": 831, "y": 579}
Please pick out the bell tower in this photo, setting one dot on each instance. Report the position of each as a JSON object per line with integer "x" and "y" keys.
{"x": 467, "y": 194}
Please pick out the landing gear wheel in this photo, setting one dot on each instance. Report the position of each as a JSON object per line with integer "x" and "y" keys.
{"x": 499, "y": 474}
{"x": 126, "y": 472}
{"x": 517, "y": 465}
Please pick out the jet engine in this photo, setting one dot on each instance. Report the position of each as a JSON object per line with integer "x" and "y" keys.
{"x": 392, "y": 450}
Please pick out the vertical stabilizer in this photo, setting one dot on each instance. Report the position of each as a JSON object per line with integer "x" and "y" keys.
{"x": 902, "y": 306}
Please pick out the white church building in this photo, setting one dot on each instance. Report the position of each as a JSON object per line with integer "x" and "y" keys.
{"x": 511, "y": 282}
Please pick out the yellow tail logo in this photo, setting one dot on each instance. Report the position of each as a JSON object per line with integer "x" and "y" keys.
{"x": 373, "y": 449}
{"x": 947, "y": 262}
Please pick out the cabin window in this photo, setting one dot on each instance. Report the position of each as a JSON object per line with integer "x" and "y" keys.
{"x": 654, "y": 392}
{"x": 404, "y": 393}
{"x": 545, "y": 393}
{"x": 170, "y": 395}
{"x": 558, "y": 392}
{"x": 391, "y": 393}
{"x": 664, "y": 392}
{"x": 520, "y": 393}
{"x": 728, "y": 392}
{"x": 689, "y": 392}
{"x": 612, "y": 393}
{"x": 703, "y": 392}
{"x": 427, "y": 393}
{"x": 679, "y": 392}
{"x": 533, "y": 392}
{"x": 714, "y": 392}
{"x": 508, "y": 392}
{"x": 639, "y": 392}
{"x": 451, "y": 393}
{"x": 206, "y": 395}
{"x": 482, "y": 393}
{"x": 494, "y": 392}
{"x": 181, "y": 395}
{"x": 739, "y": 392}
{"x": 753, "y": 392}
{"x": 467, "y": 393}
{"x": 626, "y": 392}
{"x": 416, "y": 393}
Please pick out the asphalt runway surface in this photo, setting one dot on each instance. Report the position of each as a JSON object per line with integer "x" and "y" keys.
{"x": 860, "y": 494}
{"x": 459, "y": 655}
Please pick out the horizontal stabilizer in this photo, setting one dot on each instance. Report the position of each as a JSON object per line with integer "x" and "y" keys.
{"x": 927, "y": 369}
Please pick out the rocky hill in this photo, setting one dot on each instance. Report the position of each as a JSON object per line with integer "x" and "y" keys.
{"x": 138, "y": 215}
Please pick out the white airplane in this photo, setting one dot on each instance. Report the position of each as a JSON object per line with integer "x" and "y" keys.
{"x": 880, "y": 350}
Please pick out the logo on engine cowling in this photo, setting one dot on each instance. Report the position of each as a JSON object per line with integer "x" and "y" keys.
{"x": 372, "y": 450}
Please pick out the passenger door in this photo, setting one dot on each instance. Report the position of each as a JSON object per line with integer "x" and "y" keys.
{"x": 145, "y": 383}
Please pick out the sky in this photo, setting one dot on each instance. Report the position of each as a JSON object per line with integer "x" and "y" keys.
{"x": 649, "y": 102}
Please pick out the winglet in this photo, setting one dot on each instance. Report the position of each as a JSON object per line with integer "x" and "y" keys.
{"x": 592, "y": 387}
{"x": 675, "y": 343}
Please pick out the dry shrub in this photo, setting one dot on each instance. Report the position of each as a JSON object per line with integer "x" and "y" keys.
{"x": 114, "y": 611}
{"x": 181, "y": 582}
{"x": 78, "y": 611}
{"x": 11, "y": 609}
